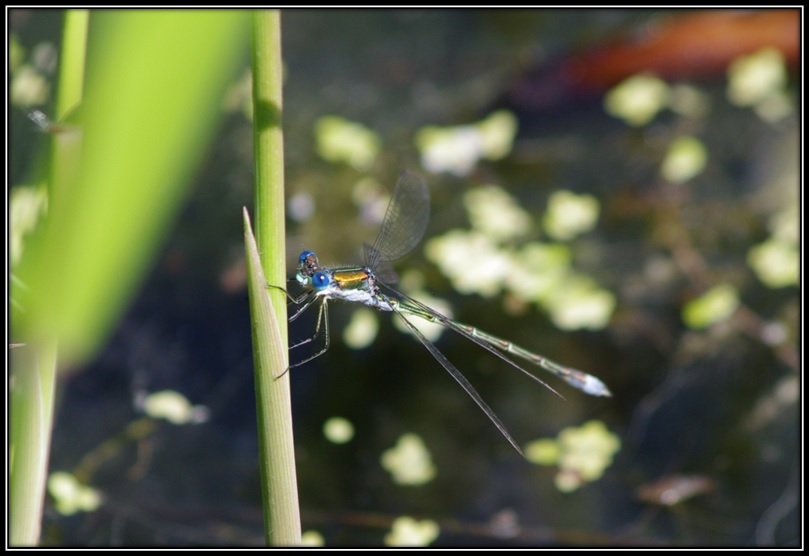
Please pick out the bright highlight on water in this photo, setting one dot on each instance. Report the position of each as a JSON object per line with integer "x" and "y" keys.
{"x": 402, "y": 228}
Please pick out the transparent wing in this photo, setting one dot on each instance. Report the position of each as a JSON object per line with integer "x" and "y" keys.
{"x": 405, "y": 221}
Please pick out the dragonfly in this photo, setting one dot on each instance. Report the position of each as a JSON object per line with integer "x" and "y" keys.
{"x": 402, "y": 228}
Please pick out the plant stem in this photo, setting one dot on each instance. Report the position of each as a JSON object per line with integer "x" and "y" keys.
{"x": 274, "y": 412}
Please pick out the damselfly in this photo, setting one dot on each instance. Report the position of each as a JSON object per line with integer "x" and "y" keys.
{"x": 402, "y": 228}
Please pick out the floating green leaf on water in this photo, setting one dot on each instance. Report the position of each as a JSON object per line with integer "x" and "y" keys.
{"x": 338, "y": 430}
{"x": 341, "y": 140}
{"x": 714, "y": 306}
{"x": 409, "y": 462}
{"x": 638, "y": 99}
{"x": 569, "y": 215}
{"x": 581, "y": 453}
{"x": 407, "y": 531}
{"x": 685, "y": 159}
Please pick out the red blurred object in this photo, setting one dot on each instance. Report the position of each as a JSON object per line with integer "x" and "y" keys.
{"x": 697, "y": 45}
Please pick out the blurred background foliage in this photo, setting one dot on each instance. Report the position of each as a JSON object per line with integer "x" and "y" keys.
{"x": 606, "y": 191}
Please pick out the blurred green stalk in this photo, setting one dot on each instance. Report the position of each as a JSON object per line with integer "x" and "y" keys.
{"x": 34, "y": 372}
{"x": 117, "y": 173}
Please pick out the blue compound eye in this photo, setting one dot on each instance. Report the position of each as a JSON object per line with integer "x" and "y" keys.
{"x": 320, "y": 280}
{"x": 305, "y": 255}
